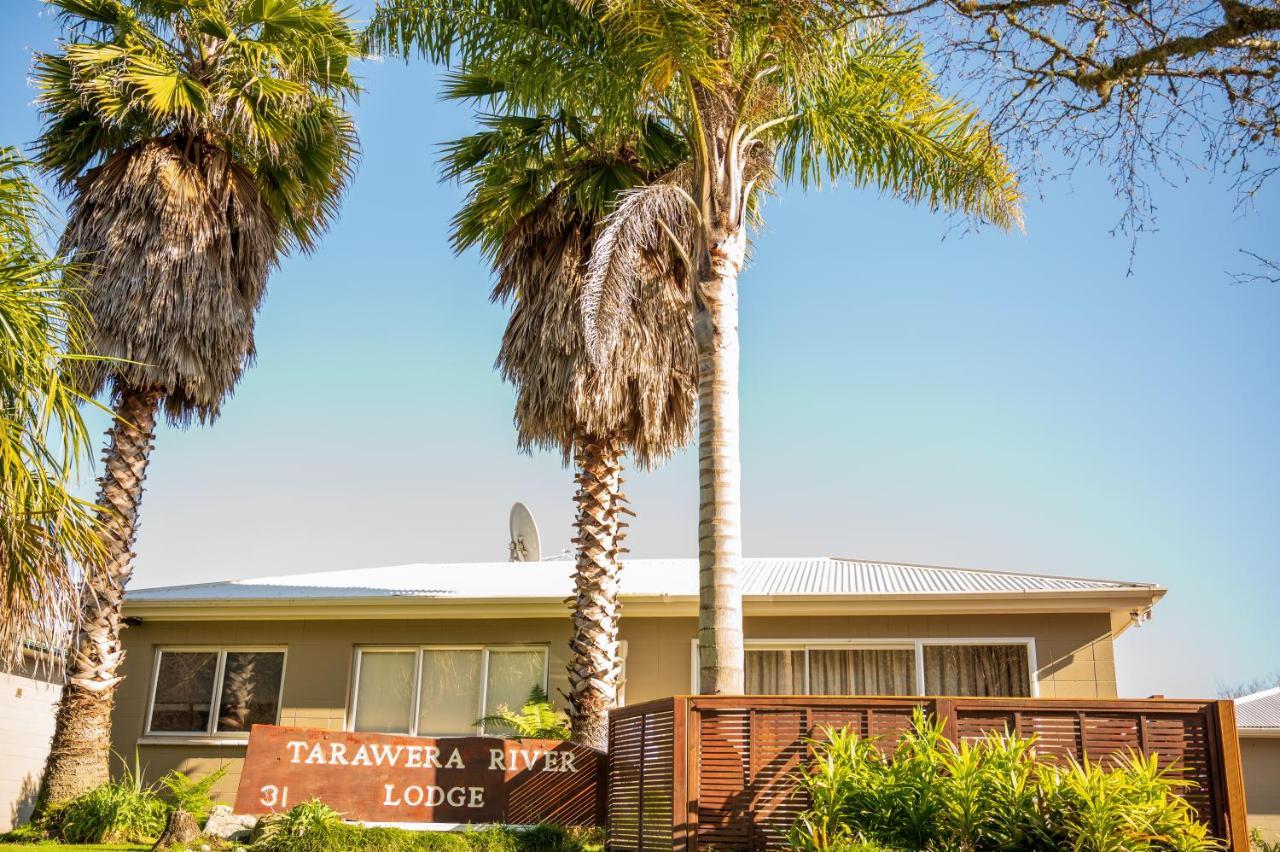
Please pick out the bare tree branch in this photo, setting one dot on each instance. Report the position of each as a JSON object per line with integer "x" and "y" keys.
{"x": 1154, "y": 90}
{"x": 1268, "y": 271}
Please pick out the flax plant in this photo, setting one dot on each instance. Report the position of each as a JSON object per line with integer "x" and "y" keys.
{"x": 995, "y": 793}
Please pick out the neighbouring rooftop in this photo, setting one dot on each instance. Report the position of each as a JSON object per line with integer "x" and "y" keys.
{"x": 1259, "y": 712}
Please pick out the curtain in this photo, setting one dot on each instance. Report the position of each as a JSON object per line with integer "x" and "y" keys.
{"x": 449, "y": 695}
{"x": 775, "y": 672}
{"x": 384, "y": 693}
{"x": 862, "y": 671}
{"x": 512, "y": 676}
{"x": 999, "y": 670}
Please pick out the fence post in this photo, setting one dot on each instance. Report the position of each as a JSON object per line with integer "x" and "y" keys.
{"x": 945, "y": 710}
{"x": 1231, "y": 773}
{"x": 680, "y": 762}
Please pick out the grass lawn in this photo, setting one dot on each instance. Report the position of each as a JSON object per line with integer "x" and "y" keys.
{"x": 106, "y": 847}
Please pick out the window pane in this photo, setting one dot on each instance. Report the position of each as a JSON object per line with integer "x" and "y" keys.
{"x": 384, "y": 695}
{"x": 775, "y": 672}
{"x": 250, "y": 689}
{"x": 977, "y": 670}
{"x": 862, "y": 671}
{"x": 450, "y": 695}
{"x": 513, "y": 675}
{"x": 184, "y": 691}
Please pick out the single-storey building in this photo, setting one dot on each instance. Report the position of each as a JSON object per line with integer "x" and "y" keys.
{"x": 1258, "y": 720}
{"x": 430, "y": 649}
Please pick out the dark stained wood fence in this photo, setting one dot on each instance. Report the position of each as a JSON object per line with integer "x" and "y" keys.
{"x": 702, "y": 772}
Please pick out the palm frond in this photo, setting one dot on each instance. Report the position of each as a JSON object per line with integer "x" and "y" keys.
{"x": 645, "y": 221}
{"x": 877, "y": 119}
{"x": 201, "y": 141}
{"x": 45, "y": 530}
{"x": 645, "y": 396}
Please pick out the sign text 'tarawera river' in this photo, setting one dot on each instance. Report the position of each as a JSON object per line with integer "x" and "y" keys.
{"x": 389, "y": 778}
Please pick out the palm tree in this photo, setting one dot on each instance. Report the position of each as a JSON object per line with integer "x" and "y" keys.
{"x": 201, "y": 140}
{"x": 538, "y": 191}
{"x": 757, "y": 90}
{"x": 45, "y": 530}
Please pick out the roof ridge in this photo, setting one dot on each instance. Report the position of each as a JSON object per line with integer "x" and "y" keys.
{"x": 996, "y": 571}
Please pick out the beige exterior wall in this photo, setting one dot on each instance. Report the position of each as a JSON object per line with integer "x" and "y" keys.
{"x": 1073, "y": 658}
{"x": 27, "y": 707}
{"x": 1261, "y": 759}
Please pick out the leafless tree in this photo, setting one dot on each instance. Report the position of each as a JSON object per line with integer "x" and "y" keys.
{"x": 1152, "y": 90}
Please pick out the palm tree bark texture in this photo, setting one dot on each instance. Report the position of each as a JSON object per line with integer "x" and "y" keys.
{"x": 595, "y": 665}
{"x": 715, "y": 328}
{"x": 80, "y": 756}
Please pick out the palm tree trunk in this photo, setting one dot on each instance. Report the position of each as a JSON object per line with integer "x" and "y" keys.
{"x": 79, "y": 756}
{"x": 720, "y": 650}
{"x": 595, "y": 664}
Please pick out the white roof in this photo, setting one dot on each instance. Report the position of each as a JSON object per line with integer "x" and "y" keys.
{"x": 1260, "y": 711}
{"x": 659, "y": 578}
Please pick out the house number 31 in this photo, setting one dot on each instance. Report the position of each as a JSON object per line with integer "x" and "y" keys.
{"x": 273, "y": 796}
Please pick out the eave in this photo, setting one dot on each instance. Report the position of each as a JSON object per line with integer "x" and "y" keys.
{"x": 1118, "y": 602}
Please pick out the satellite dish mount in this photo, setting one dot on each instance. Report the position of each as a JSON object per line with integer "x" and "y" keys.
{"x": 525, "y": 545}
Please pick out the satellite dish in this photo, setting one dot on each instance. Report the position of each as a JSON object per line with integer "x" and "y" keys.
{"x": 525, "y": 544}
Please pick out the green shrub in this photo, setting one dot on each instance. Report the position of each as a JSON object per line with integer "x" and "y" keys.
{"x": 538, "y": 718}
{"x": 1260, "y": 844}
{"x": 993, "y": 794}
{"x": 296, "y": 827}
{"x": 124, "y": 810}
{"x": 191, "y": 796}
{"x": 314, "y": 827}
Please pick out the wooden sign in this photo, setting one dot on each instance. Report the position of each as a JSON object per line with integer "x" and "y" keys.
{"x": 391, "y": 778}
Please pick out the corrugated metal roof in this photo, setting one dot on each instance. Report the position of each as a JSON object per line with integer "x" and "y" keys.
{"x": 1260, "y": 710}
{"x": 821, "y": 576}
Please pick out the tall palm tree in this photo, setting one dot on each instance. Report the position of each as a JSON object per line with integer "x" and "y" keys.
{"x": 201, "y": 140}
{"x": 45, "y": 530}
{"x": 758, "y": 90}
{"x": 537, "y": 192}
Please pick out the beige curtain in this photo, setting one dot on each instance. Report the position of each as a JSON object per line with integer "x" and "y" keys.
{"x": 862, "y": 671}
{"x": 1000, "y": 670}
{"x": 775, "y": 672}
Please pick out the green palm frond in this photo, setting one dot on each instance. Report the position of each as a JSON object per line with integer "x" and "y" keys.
{"x": 877, "y": 119}
{"x": 44, "y": 528}
{"x": 263, "y": 80}
{"x": 219, "y": 130}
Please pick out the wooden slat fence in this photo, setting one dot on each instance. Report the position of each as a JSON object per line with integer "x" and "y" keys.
{"x": 703, "y": 772}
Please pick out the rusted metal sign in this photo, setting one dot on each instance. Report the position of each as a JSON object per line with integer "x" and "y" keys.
{"x": 389, "y": 778}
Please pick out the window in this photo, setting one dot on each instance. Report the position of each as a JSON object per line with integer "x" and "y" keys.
{"x": 997, "y": 667}
{"x": 442, "y": 690}
{"x": 208, "y": 691}
{"x": 976, "y": 670}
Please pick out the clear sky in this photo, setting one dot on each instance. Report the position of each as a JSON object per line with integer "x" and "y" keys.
{"x": 1012, "y": 402}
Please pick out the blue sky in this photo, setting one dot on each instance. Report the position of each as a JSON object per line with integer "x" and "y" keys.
{"x": 1012, "y": 402}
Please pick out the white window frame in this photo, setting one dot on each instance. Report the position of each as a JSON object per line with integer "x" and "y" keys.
{"x": 895, "y": 643}
{"x": 211, "y": 731}
{"x": 486, "y": 651}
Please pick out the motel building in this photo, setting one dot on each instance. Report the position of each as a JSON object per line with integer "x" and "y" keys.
{"x": 427, "y": 650}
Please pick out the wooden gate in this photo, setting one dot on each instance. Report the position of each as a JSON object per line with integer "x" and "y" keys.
{"x": 701, "y": 772}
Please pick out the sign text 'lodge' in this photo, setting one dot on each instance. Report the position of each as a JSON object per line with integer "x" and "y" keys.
{"x": 391, "y": 778}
